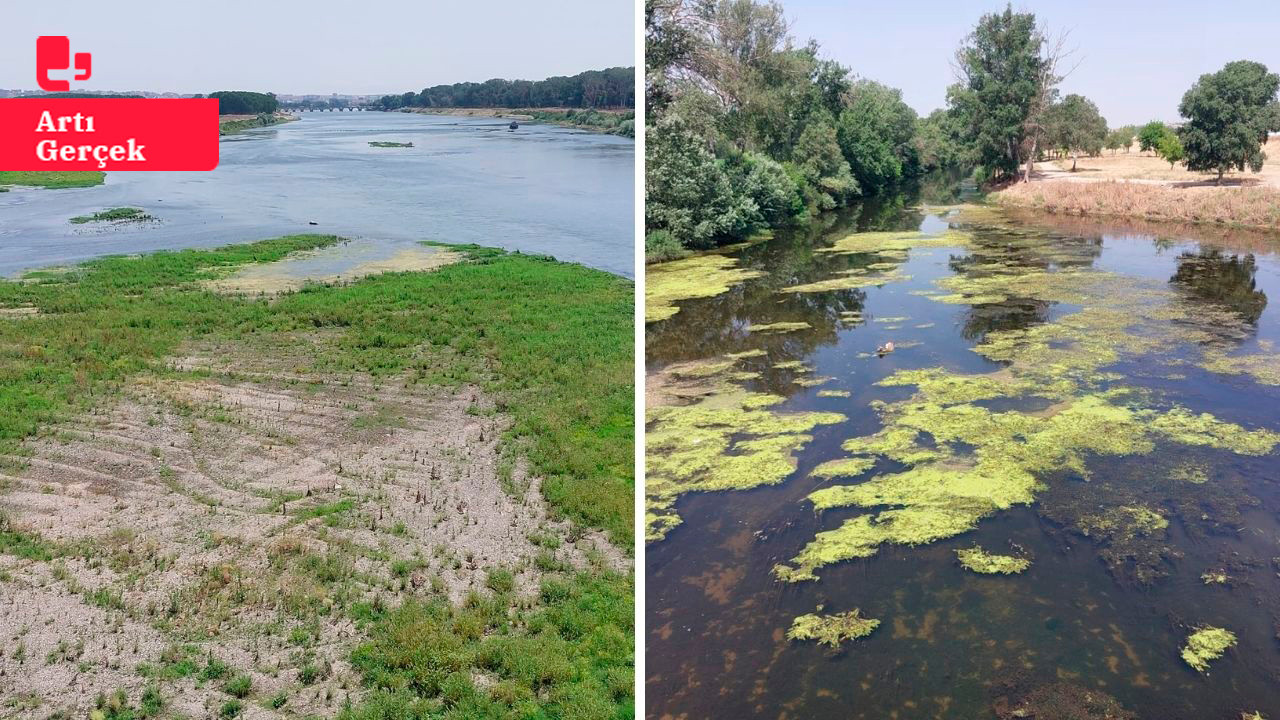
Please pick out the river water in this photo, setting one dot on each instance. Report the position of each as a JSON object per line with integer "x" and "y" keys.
{"x": 540, "y": 189}
{"x": 1146, "y": 521}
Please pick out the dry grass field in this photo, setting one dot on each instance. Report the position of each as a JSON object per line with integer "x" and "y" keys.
{"x": 1134, "y": 165}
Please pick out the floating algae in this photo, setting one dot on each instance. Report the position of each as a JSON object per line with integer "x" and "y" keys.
{"x": 848, "y": 280}
{"x": 695, "y": 277}
{"x": 731, "y": 439}
{"x": 1194, "y": 473}
{"x": 847, "y": 467}
{"x": 945, "y": 492}
{"x": 779, "y": 327}
{"x": 746, "y": 354}
{"x": 791, "y": 365}
{"x": 813, "y": 382}
{"x": 1264, "y": 367}
{"x": 833, "y": 393}
{"x": 832, "y": 629}
{"x": 896, "y": 241}
{"x": 981, "y": 561}
{"x": 1206, "y": 644}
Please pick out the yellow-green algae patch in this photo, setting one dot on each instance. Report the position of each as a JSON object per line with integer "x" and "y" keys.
{"x": 979, "y": 461}
{"x": 844, "y": 467}
{"x": 848, "y": 280}
{"x": 899, "y": 241}
{"x": 813, "y": 382}
{"x": 746, "y": 354}
{"x": 1262, "y": 367}
{"x": 791, "y": 365}
{"x": 1205, "y": 645}
{"x": 832, "y": 629}
{"x": 695, "y": 277}
{"x": 981, "y": 561}
{"x": 834, "y": 393}
{"x": 730, "y": 439}
{"x": 779, "y": 327}
{"x": 1195, "y": 473}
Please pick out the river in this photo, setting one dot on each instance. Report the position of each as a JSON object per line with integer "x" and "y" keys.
{"x": 1043, "y": 401}
{"x": 540, "y": 189}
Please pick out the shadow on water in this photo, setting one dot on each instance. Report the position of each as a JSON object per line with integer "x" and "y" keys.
{"x": 1098, "y": 618}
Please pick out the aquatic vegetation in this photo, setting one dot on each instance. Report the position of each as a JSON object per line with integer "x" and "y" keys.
{"x": 1194, "y": 473}
{"x": 832, "y": 629}
{"x": 812, "y": 382}
{"x": 1215, "y": 577}
{"x": 1124, "y": 522}
{"x": 846, "y": 467}
{"x": 981, "y": 561}
{"x": 892, "y": 319}
{"x": 730, "y": 439}
{"x": 746, "y": 354}
{"x": 791, "y": 365}
{"x": 699, "y": 276}
{"x": 386, "y": 144}
{"x": 1206, "y": 644}
{"x": 895, "y": 240}
{"x": 848, "y": 280}
{"x": 119, "y": 214}
{"x": 779, "y": 327}
{"x": 1262, "y": 367}
{"x": 834, "y": 393}
{"x": 946, "y": 491}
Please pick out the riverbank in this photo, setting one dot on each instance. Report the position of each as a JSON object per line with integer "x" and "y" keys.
{"x": 51, "y": 180}
{"x": 408, "y": 491}
{"x": 1248, "y": 207}
{"x": 232, "y": 124}
{"x": 609, "y": 122}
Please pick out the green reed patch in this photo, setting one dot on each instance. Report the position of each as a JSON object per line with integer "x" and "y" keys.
{"x": 118, "y": 214}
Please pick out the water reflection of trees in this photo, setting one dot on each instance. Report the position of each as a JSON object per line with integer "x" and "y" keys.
{"x": 1227, "y": 279}
{"x": 714, "y": 326}
{"x": 1006, "y": 253}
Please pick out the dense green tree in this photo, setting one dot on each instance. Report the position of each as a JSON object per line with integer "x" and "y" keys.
{"x": 821, "y": 164}
{"x": 688, "y": 192}
{"x": 608, "y": 88}
{"x": 875, "y": 133}
{"x": 1170, "y": 148}
{"x": 940, "y": 141}
{"x": 776, "y": 196}
{"x": 1229, "y": 114}
{"x": 1120, "y": 137}
{"x": 1076, "y": 126}
{"x": 243, "y": 102}
{"x": 1006, "y": 82}
{"x": 1150, "y": 134}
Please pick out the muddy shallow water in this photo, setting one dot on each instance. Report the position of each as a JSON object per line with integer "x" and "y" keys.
{"x": 1142, "y": 524}
{"x": 541, "y": 189}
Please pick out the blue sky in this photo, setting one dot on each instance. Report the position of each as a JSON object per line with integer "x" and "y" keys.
{"x": 1136, "y": 59}
{"x": 317, "y": 46}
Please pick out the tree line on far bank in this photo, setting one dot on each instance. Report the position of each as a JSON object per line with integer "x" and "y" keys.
{"x": 745, "y": 130}
{"x": 600, "y": 89}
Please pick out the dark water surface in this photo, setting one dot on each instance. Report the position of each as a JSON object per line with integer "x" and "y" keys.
{"x": 541, "y": 189}
{"x": 1091, "y": 614}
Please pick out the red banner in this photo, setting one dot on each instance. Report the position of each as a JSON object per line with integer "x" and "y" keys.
{"x": 58, "y": 134}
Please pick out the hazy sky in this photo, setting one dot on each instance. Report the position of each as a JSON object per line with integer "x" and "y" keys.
{"x": 1135, "y": 59}
{"x": 317, "y": 46}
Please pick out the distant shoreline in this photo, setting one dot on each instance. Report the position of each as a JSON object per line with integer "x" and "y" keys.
{"x": 232, "y": 124}
{"x": 554, "y": 116}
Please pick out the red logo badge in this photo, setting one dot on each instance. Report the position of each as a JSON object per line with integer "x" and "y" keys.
{"x": 53, "y": 52}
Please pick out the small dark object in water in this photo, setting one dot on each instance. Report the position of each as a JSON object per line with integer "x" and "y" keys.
{"x": 312, "y": 222}
{"x": 514, "y": 125}
{"x": 885, "y": 349}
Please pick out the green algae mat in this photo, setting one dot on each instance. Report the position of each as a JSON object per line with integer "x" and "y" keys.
{"x": 1039, "y": 459}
